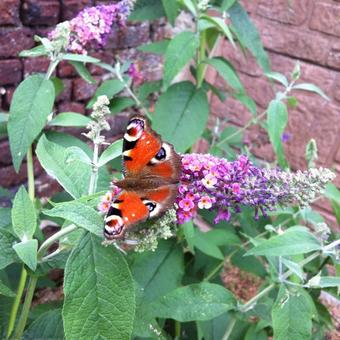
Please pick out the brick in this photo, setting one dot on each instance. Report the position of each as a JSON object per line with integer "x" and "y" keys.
{"x": 336, "y": 91}
{"x": 66, "y": 70}
{"x": 290, "y": 12}
{"x": 35, "y": 65}
{"x": 40, "y": 12}
{"x": 325, "y": 18}
{"x": 70, "y": 8}
{"x": 333, "y": 58}
{"x": 104, "y": 56}
{"x": 10, "y": 71}
{"x": 313, "y": 118}
{"x": 9, "y": 95}
{"x": 129, "y": 36}
{"x": 71, "y": 107}
{"x": 297, "y": 43}
{"x": 5, "y": 153}
{"x": 83, "y": 90}
{"x": 12, "y": 41}
{"x": 67, "y": 93}
{"x": 337, "y": 156}
{"x": 9, "y": 12}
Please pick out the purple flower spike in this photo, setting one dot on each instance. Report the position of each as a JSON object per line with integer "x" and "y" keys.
{"x": 208, "y": 182}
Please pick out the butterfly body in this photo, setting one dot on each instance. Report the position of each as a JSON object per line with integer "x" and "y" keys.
{"x": 151, "y": 171}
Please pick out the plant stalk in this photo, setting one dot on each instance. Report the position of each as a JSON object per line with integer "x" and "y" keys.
{"x": 26, "y": 308}
{"x": 201, "y": 67}
{"x": 229, "y": 329}
{"x": 16, "y": 303}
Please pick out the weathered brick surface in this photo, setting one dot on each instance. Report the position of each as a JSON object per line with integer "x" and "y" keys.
{"x": 10, "y": 71}
{"x": 70, "y": 8}
{"x": 291, "y": 12}
{"x": 325, "y": 18}
{"x": 35, "y": 65}
{"x": 40, "y": 12}
{"x": 9, "y": 12}
{"x": 12, "y": 41}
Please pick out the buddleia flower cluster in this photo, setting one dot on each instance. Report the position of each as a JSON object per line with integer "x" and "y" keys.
{"x": 90, "y": 28}
{"x": 208, "y": 182}
{"x": 98, "y": 122}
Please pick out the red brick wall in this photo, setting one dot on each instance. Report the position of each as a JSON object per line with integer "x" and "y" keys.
{"x": 19, "y": 22}
{"x": 292, "y": 30}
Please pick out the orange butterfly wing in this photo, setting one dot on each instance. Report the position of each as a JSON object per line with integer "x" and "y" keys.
{"x": 152, "y": 170}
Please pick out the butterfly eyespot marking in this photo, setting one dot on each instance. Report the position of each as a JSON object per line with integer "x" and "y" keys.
{"x": 113, "y": 227}
{"x": 153, "y": 207}
{"x": 162, "y": 155}
{"x": 134, "y": 131}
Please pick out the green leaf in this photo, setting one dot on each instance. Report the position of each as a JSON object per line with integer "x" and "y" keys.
{"x": 227, "y": 72}
{"x": 186, "y": 120}
{"x": 311, "y": 88}
{"x": 74, "y": 153}
{"x": 277, "y": 119}
{"x": 324, "y": 282}
{"x": 108, "y": 88}
{"x": 99, "y": 293}
{"x": 294, "y": 267}
{"x": 311, "y": 153}
{"x": 70, "y": 119}
{"x": 27, "y": 252}
{"x": 147, "y": 10}
{"x": 156, "y": 274}
{"x": 36, "y": 51}
{"x": 119, "y": 104}
{"x": 179, "y": 52}
{"x": 226, "y": 4}
{"x": 220, "y": 24}
{"x": 279, "y": 77}
{"x": 8, "y": 255}
{"x": 295, "y": 240}
{"x": 247, "y": 101}
{"x": 158, "y": 47}
{"x": 32, "y": 102}
{"x": 196, "y": 302}
{"x": 190, "y": 6}
{"x": 110, "y": 153}
{"x": 171, "y": 9}
{"x": 83, "y": 71}
{"x": 147, "y": 88}
{"x": 6, "y": 291}
{"x": 79, "y": 214}
{"x": 292, "y": 316}
{"x": 189, "y": 234}
{"x": 5, "y": 217}
{"x": 159, "y": 272}
{"x": 206, "y": 246}
{"x": 58, "y": 86}
{"x": 333, "y": 194}
{"x": 48, "y": 325}
{"x": 24, "y": 217}
{"x": 81, "y": 58}
{"x": 248, "y": 34}
{"x": 74, "y": 177}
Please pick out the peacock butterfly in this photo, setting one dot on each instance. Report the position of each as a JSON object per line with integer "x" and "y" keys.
{"x": 151, "y": 170}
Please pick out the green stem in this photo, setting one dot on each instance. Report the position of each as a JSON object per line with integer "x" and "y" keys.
{"x": 53, "y": 65}
{"x": 43, "y": 248}
{"x": 26, "y": 308}
{"x": 201, "y": 67}
{"x": 229, "y": 329}
{"x": 94, "y": 174}
{"x": 244, "y": 308}
{"x": 177, "y": 330}
{"x": 17, "y": 300}
{"x": 214, "y": 271}
{"x": 251, "y": 122}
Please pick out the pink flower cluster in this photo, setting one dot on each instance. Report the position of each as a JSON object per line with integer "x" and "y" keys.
{"x": 208, "y": 182}
{"x": 93, "y": 25}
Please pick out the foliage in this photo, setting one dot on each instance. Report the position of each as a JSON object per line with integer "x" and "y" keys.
{"x": 173, "y": 290}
